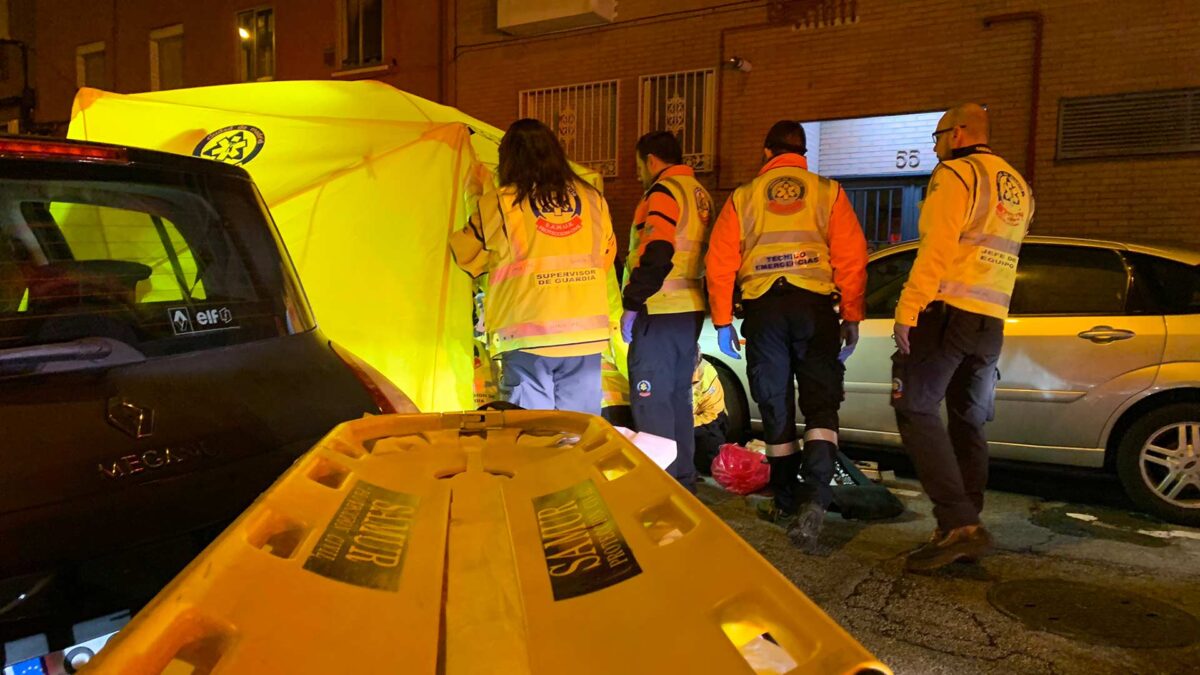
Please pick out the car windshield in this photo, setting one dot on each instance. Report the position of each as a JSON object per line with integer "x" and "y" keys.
{"x": 149, "y": 262}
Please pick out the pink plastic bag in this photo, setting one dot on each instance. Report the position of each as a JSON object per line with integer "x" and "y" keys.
{"x": 739, "y": 470}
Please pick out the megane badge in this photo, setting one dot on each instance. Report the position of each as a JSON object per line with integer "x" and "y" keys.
{"x": 131, "y": 418}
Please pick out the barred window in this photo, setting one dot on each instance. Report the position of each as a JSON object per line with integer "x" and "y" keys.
{"x": 585, "y": 118}
{"x": 810, "y": 14}
{"x": 684, "y": 104}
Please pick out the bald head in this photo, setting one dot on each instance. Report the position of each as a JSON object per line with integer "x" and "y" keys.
{"x": 962, "y": 126}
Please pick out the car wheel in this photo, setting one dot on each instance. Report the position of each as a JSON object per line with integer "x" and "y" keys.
{"x": 736, "y": 406}
{"x": 1158, "y": 462}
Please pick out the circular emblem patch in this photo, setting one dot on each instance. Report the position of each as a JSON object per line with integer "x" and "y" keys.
{"x": 897, "y": 388}
{"x": 785, "y": 196}
{"x": 643, "y": 388}
{"x": 559, "y": 221}
{"x": 703, "y": 206}
{"x": 1010, "y": 198}
{"x": 235, "y": 145}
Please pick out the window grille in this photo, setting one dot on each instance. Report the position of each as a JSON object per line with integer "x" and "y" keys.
{"x": 683, "y": 103}
{"x": 584, "y": 116}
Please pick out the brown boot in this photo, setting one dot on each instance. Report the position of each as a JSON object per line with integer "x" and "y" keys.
{"x": 962, "y": 543}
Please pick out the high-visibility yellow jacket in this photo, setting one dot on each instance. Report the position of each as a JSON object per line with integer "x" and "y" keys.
{"x": 546, "y": 270}
{"x": 676, "y": 210}
{"x": 708, "y": 396}
{"x": 790, "y": 223}
{"x": 614, "y": 363}
{"x": 976, "y": 214}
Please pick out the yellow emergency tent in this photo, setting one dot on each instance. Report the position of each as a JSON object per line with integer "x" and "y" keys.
{"x": 365, "y": 183}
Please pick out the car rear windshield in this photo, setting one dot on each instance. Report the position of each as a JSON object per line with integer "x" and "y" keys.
{"x": 163, "y": 261}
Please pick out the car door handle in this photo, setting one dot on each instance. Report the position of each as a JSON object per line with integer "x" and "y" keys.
{"x": 1103, "y": 335}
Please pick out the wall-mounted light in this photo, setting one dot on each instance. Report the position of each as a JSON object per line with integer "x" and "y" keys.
{"x": 738, "y": 63}
{"x": 243, "y": 33}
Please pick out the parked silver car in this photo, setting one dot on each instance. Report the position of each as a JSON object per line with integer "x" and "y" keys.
{"x": 1100, "y": 368}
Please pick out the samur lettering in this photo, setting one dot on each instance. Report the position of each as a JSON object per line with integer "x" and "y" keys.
{"x": 582, "y": 545}
{"x": 366, "y": 542}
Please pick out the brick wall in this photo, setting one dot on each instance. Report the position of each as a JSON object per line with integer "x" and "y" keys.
{"x": 901, "y": 56}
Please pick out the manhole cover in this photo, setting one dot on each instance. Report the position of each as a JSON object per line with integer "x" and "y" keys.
{"x": 1095, "y": 614}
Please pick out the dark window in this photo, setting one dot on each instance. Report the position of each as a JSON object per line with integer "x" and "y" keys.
{"x": 256, "y": 44}
{"x": 1069, "y": 280}
{"x": 1162, "y": 286}
{"x": 362, "y": 41}
{"x": 172, "y": 263}
{"x": 885, "y": 280}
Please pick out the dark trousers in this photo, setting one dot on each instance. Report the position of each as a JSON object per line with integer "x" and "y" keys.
{"x": 792, "y": 342}
{"x": 709, "y": 439}
{"x": 953, "y": 356}
{"x": 662, "y": 358}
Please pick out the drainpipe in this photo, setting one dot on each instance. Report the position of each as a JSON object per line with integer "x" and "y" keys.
{"x": 1035, "y": 81}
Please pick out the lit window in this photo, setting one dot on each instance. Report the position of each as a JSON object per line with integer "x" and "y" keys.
{"x": 584, "y": 116}
{"x": 91, "y": 66}
{"x": 256, "y": 44}
{"x": 362, "y": 33}
{"x": 684, "y": 104}
{"x": 166, "y": 58}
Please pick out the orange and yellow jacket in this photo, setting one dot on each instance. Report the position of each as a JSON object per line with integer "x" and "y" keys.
{"x": 787, "y": 223}
{"x": 665, "y": 267}
{"x": 976, "y": 214}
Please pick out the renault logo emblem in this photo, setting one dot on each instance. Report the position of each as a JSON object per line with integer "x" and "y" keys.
{"x": 131, "y": 418}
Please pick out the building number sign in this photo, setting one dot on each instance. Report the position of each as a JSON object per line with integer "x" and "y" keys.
{"x": 908, "y": 159}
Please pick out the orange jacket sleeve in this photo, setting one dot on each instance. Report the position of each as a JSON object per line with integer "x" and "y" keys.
{"x": 722, "y": 263}
{"x": 942, "y": 218}
{"x": 662, "y": 215}
{"x": 848, "y": 256}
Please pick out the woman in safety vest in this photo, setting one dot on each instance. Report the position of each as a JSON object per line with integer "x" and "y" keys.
{"x": 545, "y": 240}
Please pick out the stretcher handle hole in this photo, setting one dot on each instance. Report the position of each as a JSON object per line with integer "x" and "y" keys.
{"x": 327, "y": 473}
{"x": 667, "y": 522}
{"x": 194, "y": 645}
{"x": 347, "y": 448}
{"x": 277, "y": 534}
{"x": 615, "y": 465}
{"x": 500, "y": 472}
{"x": 451, "y": 472}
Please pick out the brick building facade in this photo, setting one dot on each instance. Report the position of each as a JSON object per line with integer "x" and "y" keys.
{"x": 859, "y": 58}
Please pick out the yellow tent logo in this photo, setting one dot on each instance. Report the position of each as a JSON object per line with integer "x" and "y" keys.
{"x": 236, "y": 144}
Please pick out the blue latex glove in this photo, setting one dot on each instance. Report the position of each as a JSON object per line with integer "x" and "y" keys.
{"x": 727, "y": 340}
{"x": 627, "y": 325}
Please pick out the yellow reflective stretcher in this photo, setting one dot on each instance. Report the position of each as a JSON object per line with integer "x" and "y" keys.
{"x": 483, "y": 542}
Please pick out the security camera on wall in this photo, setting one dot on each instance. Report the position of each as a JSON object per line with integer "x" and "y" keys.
{"x": 738, "y": 63}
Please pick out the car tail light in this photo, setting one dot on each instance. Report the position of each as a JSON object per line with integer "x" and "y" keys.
{"x": 39, "y": 149}
{"x": 387, "y": 396}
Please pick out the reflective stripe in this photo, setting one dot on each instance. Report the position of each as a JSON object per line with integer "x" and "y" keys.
{"x": 523, "y": 330}
{"x": 680, "y": 284}
{"x": 688, "y": 245}
{"x": 782, "y": 449}
{"x": 820, "y": 274}
{"x": 820, "y": 435}
{"x": 961, "y": 290}
{"x": 992, "y": 241}
{"x": 554, "y": 263}
{"x": 791, "y": 237}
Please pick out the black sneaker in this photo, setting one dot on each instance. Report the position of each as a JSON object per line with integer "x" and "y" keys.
{"x": 962, "y": 543}
{"x": 768, "y": 511}
{"x": 806, "y": 531}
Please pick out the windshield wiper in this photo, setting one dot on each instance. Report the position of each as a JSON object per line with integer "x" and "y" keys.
{"x": 23, "y": 360}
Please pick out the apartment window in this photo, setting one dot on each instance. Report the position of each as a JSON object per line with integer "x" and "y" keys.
{"x": 362, "y": 33}
{"x": 166, "y": 58}
{"x": 91, "y": 66}
{"x": 1142, "y": 123}
{"x": 585, "y": 118}
{"x": 684, "y": 104}
{"x": 256, "y": 44}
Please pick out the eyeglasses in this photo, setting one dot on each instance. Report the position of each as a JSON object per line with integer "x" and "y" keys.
{"x": 939, "y": 132}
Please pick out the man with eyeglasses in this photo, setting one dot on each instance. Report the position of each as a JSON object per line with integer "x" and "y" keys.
{"x": 950, "y": 327}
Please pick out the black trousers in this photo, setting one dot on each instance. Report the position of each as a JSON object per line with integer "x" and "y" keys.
{"x": 793, "y": 338}
{"x": 709, "y": 439}
{"x": 953, "y": 356}
{"x": 662, "y": 358}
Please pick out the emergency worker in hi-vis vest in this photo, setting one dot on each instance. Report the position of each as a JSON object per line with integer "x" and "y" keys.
{"x": 544, "y": 238}
{"x": 664, "y": 296}
{"x": 950, "y": 326}
{"x": 791, "y": 241}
